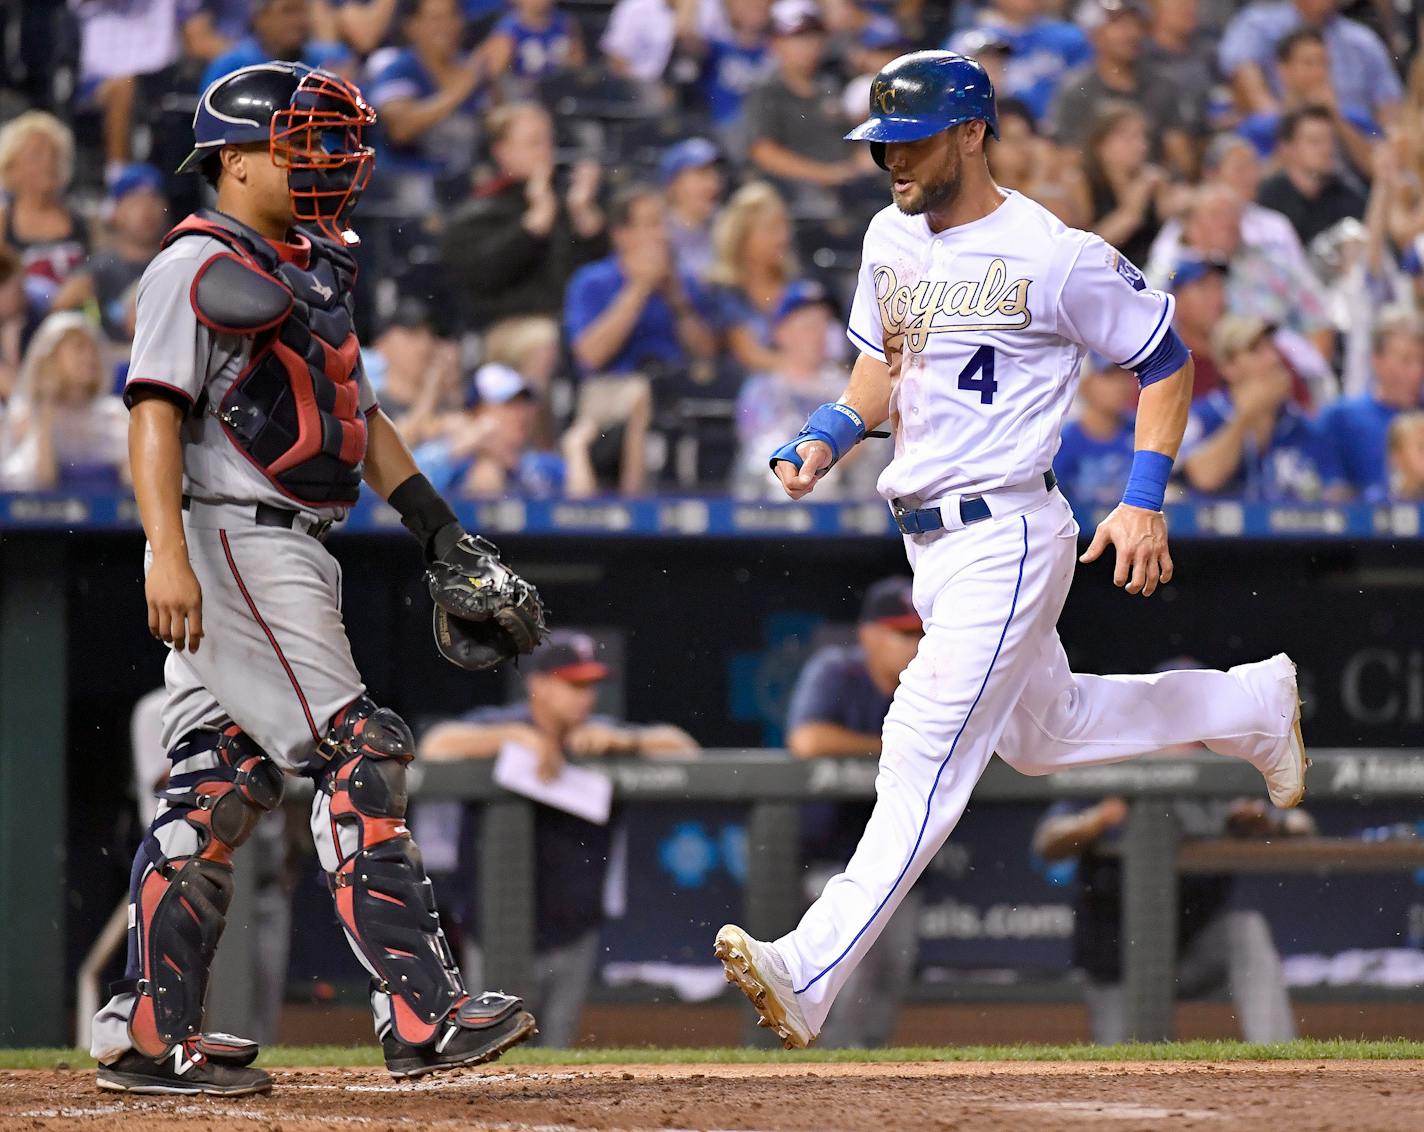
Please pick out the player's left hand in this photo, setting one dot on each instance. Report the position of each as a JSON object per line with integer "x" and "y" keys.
{"x": 1140, "y": 538}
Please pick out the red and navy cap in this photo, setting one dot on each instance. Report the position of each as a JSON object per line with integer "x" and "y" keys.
{"x": 570, "y": 656}
{"x": 889, "y": 602}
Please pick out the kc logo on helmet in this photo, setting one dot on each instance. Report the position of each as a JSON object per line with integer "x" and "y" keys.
{"x": 884, "y": 96}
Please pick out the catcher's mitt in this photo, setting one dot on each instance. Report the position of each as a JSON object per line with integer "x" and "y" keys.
{"x": 485, "y": 613}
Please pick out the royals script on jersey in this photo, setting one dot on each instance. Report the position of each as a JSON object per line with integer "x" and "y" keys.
{"x": 993, "y": 318}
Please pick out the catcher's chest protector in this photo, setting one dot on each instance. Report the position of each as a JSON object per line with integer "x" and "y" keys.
{"x": 295, "y": 409}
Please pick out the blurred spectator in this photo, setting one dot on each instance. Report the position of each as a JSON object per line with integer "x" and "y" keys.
{"x": 1217, "y": 944}
{"x": 534, "y": 41}
{"x": 428, "y": 96}
{"x": 692, "y": 179}
{"x": 212, "y": 27}
{"x": 753, "y": 264}
{"x": 515, "y": 245}
{"x": 1199, "y": 286}
{"x": 1127, "y": 196}
{"x": 1307, "y": 190}
{"x": 1257, "y": 281}
{"x": 804, "y": 376}
{"x": 1182, "y": 54}
{"x": 1362, "y": 71}
{"x": 1249, "y": 438}
{"x": 367, "y": 25}
{"x": 1021, "y": 160}
{"x": 36, "y": 164}
{"x": 1357, "y": 426}
{"x": 281, "y": 29}
{"x": 554, "y": 721}
{"x": 879, "y": 42}
{"x": 16, "y": 322}
{"x": 1095, "y": 453}
{"x": 837, "y": 709}
{"x": 1304, "y": 70}
{"x": 64, "y": 429}
{"x": 796, "y": 133}
{"x": 1406, "y": 458}
{"x": 1042, "y": 49}
{"x": 1117, "y": 29}
{"x": 1363, "y": 276}
{"x": 628, "y": 319}
{"x": 638, "y": 40}
{"x": 731, "y": 60}
{"x": 416, "y": 375}
{"x": 488, "y": 452}
{"x": 120, "y": 40}
{"x": 1230, "y": 162}
{"x": 135, "y": 220}
{"x": 532, "y": 346}
{"x": 990, "y": 48}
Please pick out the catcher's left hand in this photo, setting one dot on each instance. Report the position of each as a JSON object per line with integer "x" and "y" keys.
{"x": 485, "y": 613}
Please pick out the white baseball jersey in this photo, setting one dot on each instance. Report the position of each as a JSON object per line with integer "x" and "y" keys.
{"x": 993, "y": 318}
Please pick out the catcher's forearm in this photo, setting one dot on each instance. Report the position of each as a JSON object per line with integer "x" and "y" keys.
{"x": 388, "y": 461}
{"x": 393, "y": 475}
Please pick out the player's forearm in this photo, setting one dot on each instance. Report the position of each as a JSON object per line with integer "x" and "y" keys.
{"x": 1162, "y": 410}
{"x": 830, "y": 740}
{"x": 869, "y": 390}
{"x": 388, "y": 461}
{"x": 156, "y": 457}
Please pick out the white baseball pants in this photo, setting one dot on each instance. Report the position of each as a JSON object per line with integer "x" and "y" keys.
{"x": 991, "y": 675}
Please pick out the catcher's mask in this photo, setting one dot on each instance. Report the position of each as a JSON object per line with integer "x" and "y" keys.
{"x": 318, "y": 140}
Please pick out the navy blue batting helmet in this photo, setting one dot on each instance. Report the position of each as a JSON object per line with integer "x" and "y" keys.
{"x": 922, "y": 93}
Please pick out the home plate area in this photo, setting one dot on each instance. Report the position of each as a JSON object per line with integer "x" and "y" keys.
{"x": 1349, "y": 1096}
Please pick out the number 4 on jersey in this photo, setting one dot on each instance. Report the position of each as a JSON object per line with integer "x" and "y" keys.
{"x": 978, "y": 375}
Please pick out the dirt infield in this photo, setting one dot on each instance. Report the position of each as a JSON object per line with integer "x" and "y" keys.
{"x": 1359, "y": 1096}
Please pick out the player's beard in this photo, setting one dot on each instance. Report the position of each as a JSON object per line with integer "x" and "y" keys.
{"x": 934, "y": 195}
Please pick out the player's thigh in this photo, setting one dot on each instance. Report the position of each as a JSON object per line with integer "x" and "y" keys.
{"x": 992, "y": 603}
{"x": 275, "y": 654}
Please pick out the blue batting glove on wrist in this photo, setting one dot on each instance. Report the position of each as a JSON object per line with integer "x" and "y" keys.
{"x": 837, "y": 426}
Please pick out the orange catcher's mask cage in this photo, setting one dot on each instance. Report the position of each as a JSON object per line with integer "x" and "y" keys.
{"x": 319, "y": 140}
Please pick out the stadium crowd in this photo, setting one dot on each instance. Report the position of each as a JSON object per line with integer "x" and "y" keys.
{"x": 610, "y": 245}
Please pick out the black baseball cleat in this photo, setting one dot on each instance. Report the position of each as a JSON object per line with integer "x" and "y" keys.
{"x": 185, "y": 1070}
{"x": 477, "y": 1030}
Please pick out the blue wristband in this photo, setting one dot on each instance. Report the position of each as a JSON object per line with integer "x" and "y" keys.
{"x": 837, "y": 426}
{"x": 1147, "y": 482}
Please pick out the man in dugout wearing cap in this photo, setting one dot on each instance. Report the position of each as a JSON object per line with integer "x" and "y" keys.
{"x": 554, "y": 719}
{"x": 837, "y": 709}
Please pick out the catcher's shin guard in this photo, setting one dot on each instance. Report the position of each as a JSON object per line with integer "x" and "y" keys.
{"x": 181, "y": 885}
{"x": 377, "y": 878}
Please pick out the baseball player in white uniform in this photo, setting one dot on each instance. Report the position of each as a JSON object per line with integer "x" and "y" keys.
{"x": 974, "y": 309}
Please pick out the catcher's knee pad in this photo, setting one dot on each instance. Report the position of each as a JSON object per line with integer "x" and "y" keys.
{"x": 180, "y": 901}
{"x": 383, "y": 897}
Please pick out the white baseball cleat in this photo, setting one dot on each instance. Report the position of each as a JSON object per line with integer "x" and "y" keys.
{"x": 759, "y": 972}
{"x": 1283, "y": 764}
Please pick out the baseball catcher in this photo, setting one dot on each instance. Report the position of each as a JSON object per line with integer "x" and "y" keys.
{"x": 252, "y": 427}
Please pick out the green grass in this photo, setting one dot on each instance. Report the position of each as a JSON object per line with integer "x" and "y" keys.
{"x": 293, "y": 1057}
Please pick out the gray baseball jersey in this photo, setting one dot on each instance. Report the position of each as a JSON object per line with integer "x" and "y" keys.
{"x": 173, "y": 349}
